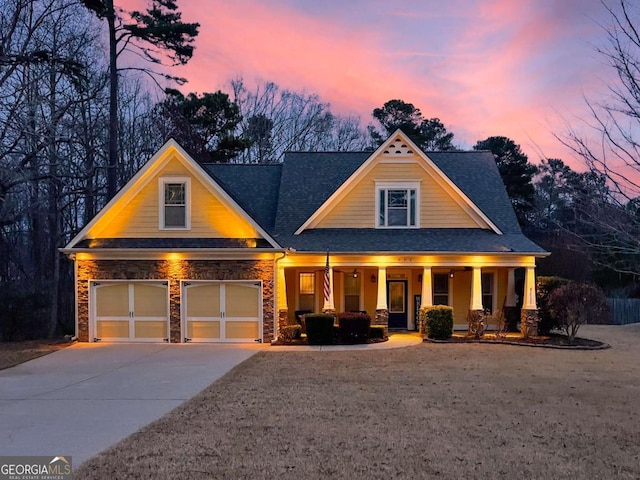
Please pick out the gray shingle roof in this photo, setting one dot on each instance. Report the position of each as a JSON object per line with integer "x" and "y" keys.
{"x": 253, "y": 187}
{"x": 441, "y": 240}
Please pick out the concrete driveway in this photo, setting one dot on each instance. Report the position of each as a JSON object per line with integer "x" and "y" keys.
{"x": 80, "y": 400}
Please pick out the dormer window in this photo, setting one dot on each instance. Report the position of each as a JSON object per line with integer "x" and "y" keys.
{"x": 174, "y": 203}
{"x": 397, "y": 205}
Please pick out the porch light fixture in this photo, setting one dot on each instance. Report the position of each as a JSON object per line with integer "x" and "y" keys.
{"x": 451, "y": 273}
{"x": 373, "y": 279}
{"x": 355, "y": 273}
{"x": 420, "y": 278}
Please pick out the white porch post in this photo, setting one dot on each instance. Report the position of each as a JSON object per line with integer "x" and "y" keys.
{"x": 511, "y": 288}
{"x": 382, "y": 289}
{"x": 476, "y": 289}
{"x": 427, "y": 289}
{"x": 529, "y": 300}
{"x": 328, "y": 303}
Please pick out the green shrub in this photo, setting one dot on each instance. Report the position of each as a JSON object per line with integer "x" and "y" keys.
{"x": 376, "y": 331}
{"x": 289, "y": 333}
{"x": 437, "y": 321}
{"x": 574, "y": 304}
{"x": 319, "y": 328}
{"x": 354, "y": 327}
{"x": 544, "y": 287}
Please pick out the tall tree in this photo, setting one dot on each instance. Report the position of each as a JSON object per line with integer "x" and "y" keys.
{"x": 516, "y": 171}
{"x": 158, "y": 35}
{"x": 608, "y": 142}
{"x": 300, "y": 121}
{"x": 427, "y": 133}
{"x": 203, "y": 124}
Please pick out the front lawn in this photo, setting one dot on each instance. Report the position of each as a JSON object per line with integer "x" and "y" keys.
{"x": 15, "y": 353}
{"x": 451, "y": 411}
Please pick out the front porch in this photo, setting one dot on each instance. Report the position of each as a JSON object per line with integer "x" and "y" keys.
{"x": 393, "y": 289}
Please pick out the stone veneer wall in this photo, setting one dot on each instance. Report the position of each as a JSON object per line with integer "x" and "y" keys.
{"x": 529, "y": 323}
{"x": 382, "y": 318}
{"x": 174, "y": 271}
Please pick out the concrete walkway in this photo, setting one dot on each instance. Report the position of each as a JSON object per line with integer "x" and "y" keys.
{"x": 80, "y": 400}
{"x": 396, "y": 340}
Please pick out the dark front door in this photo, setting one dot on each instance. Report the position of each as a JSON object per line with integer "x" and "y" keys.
{"x": 397, "y": 303}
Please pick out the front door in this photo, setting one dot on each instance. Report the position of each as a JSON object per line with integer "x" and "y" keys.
{"x": 397, "y": 302}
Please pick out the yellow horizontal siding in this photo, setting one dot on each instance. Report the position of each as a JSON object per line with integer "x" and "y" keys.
{"x": 438, "y": 209}
{"x": 210, "y": 218}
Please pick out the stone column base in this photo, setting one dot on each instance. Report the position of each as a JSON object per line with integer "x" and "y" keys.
{"x": 283, "y": 318}
{"x": 382, "y": 318}
{"x": 476, "y": 325}
{"x": 529, "y": 323}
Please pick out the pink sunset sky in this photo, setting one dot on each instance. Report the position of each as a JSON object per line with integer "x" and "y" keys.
{"x": 518, "y": 68}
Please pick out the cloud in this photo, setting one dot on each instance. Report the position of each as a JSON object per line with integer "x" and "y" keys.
{"x": 484, "y": 68}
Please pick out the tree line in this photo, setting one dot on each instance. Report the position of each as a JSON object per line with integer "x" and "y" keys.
{"x": 87, "y": 96}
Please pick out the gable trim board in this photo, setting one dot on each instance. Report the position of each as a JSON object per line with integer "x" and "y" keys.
{"x": 170, "y": 150}
{"x": 427, "y": 165}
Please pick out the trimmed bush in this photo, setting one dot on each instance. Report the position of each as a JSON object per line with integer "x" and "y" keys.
{"x": 319, "y": 328}
{"x": 376, "y": 331}
{"x": 544, "y": 287}
{"x": 354, "y": 327}
{"x": 437, "y": 321}
{"x": 290, "y": 332}
{"x": 574, "y": 304}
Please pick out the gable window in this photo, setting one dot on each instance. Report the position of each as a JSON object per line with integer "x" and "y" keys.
{"x": 440, "y": 289}
{"x": 174, "y": 203}
{"x": 397, "y": 205}
{"x": 307, "y": 292}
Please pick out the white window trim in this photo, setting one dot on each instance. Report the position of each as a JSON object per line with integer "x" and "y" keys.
{"x": 398, "y": 185}
{"x": 187, "y": 201}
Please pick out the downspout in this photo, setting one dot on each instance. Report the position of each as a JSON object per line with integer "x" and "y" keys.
{"x": 72, "y": 257}
{"x": 275, "y": 295}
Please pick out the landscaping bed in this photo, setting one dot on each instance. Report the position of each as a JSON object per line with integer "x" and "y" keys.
{"x": 549, "y": 341}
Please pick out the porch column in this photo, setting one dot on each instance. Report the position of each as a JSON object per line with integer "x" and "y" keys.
{"x": 510, "y": 311}
{"x": 476, "y": 289}
{"x": 529, "y": 314}
{"x": 281, "y": 299}
{"x": 475, "y": 309}
{"x": 529, "y": 300}
{"x": 382, "y": 310}
{"x": 382, "y": 289}
{"x": 427, "y": 289}
{"x": 328, "y": 305}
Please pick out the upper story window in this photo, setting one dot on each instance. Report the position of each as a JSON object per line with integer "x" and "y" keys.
{"x": 174, "y": 203}
{"x": 397, "y": 205}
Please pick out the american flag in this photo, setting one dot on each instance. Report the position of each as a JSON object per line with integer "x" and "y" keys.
{"x": 327, "y": 284}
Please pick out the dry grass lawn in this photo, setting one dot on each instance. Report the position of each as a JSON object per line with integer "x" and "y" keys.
{"x": 450, "y": 411}
{"x": 15, "y": 353}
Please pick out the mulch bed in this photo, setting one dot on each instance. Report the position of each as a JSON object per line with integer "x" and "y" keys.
{"x": 547, "y": 341}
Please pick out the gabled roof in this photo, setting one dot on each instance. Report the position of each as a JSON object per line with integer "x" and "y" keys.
{"x": 398, "y": 140}
{"x": 170, "y": 150}
{"x": 279, "y": 199}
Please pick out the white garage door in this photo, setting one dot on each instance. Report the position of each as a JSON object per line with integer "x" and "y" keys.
{"x": 222, "y": 311}
{"x": 130, "y": 311}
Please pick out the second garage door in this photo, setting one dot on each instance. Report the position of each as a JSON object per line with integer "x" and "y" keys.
{"x": 222, "y": 311}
